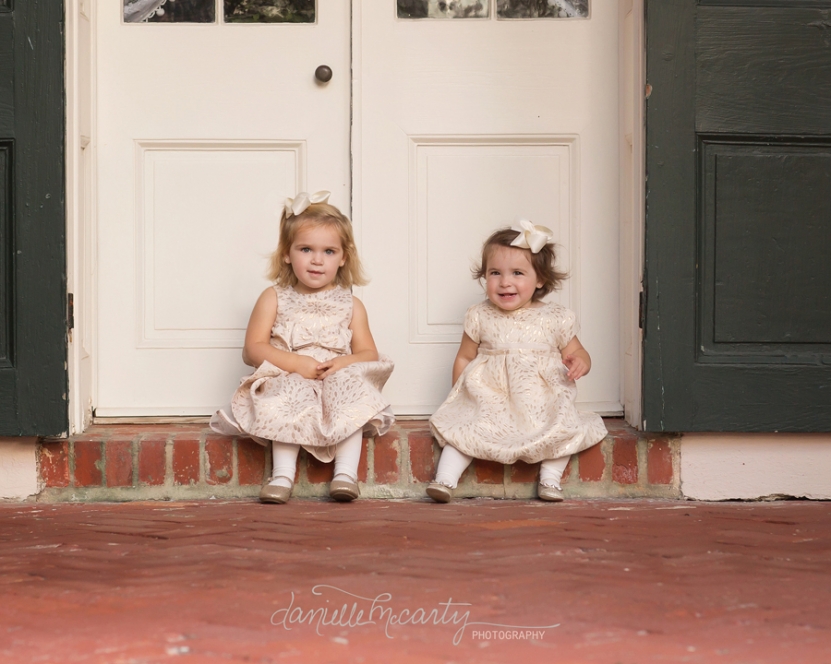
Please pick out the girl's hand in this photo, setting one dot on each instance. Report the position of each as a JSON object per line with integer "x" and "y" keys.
{"x": 363, "y": 345}
{"x": 577, "y": 366}
{"x": 306, "y": 366}
{"x": 576, "y": 359}
{"x": 331, "y": 366}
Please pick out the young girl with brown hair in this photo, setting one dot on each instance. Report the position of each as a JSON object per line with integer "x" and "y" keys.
{"x": 514, "y": 375}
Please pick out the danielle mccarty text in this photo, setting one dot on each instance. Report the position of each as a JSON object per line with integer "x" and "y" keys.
{"x": 359, "y": 611}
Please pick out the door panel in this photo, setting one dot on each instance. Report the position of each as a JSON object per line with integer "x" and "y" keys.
{"x": 204, "y": 129}
{"x": 738, "y": 334}
{"x": 33, "y": 379}
{"x": 467, "y": 125}
{"x": 763, "y": 69}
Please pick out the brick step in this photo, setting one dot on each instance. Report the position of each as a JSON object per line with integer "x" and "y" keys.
{"x": 185, "y": 461}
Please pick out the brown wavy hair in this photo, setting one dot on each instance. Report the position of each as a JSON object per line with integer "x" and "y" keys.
{"x": 543, "y": 262}
{"x": 351, "y": 273}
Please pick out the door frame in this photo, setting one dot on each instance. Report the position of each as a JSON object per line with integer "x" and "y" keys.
{"x": 79, "y": 21}
{"x": 81, "y": 143}
{"x": 633, "y": 92}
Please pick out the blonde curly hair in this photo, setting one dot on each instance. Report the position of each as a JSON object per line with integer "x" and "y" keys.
{"x": 351, "y": 273}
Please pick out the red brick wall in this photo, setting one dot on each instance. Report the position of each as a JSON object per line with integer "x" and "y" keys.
{"x": 130, "y": 462}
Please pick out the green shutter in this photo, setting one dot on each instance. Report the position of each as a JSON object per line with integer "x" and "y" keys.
{"x": 738, "y": 219}
{"x": 33, "y": 375}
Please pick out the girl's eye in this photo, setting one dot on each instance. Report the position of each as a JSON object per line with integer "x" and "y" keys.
{"x": 330, "y": 251}
{"x": 305, "y": 249}
{"x": 517, "y": 273}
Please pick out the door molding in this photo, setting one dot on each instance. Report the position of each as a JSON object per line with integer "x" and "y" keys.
{"x": 563, "y": 147}
{"x": 633, "y": 90}
{"x": 80, "y": 207}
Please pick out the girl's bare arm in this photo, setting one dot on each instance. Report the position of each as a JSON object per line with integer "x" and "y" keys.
{"x": 467, "y": 352}
{"x": 258, "y": 348}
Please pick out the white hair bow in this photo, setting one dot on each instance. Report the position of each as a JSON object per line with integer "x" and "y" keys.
{"x": 299, "y": 203}
{"x": 531, "y": 237}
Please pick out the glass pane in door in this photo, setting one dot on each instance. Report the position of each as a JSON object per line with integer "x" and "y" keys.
{"x": 169, "y": 11}
{"x": 269, "y": 11}
{"x": 443, "y": 8}
{"x": 542, "y": 8}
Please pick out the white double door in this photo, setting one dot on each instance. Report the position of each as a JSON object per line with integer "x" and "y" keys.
{"x": 431, "y": 132}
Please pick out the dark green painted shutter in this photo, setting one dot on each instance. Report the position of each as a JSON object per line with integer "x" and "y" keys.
{"x": 738, "y": 220}
{"x": 33, "y": 376}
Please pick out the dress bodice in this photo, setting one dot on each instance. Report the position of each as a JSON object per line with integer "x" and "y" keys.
{"x": 549, "y": 326}
{"x": 318, "y": 319}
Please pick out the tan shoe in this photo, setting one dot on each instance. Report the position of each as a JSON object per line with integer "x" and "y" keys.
{"x": 550, "y": 493}
{"x": 343, "y": 491}
{"x": 271, "y": 493}
{"x": 439, "y": 492}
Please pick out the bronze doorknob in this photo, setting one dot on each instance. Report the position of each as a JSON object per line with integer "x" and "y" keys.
{"x": 323, "y": 74}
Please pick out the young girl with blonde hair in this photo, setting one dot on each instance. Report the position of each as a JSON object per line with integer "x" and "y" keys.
{"x": 318, "y": 375}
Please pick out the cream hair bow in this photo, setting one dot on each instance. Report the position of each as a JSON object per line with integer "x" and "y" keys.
{"x": 299, "y": 203}
{"x": 531, "y": 237}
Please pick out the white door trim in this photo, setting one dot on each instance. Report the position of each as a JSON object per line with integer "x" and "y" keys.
{"x": 632, "y": 72}
{"x": 80, "y": 207}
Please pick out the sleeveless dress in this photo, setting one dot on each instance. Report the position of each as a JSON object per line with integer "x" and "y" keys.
{"x": 514, "y": 401}
{"x": 272, "y": 404}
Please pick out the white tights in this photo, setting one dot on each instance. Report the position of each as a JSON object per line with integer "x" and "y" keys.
{"x": 551, "y": 471}
{"x": 284, "y": 460}
{"x": 453, "y": 463}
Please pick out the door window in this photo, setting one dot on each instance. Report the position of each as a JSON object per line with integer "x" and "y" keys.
{"x": 232, "y": 11}
{"x": 505, "y": 9}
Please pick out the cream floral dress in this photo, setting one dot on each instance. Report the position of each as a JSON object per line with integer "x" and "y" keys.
{"x": 272, "y": 404}
{"x": 514, "y": 401}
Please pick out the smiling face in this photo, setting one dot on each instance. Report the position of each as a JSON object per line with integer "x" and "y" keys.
{"x": 510, "y": 280}
{"x": 315, "y": 257}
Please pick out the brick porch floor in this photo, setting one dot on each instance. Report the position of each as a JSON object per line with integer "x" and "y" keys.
{"x": 213, "y": 581}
